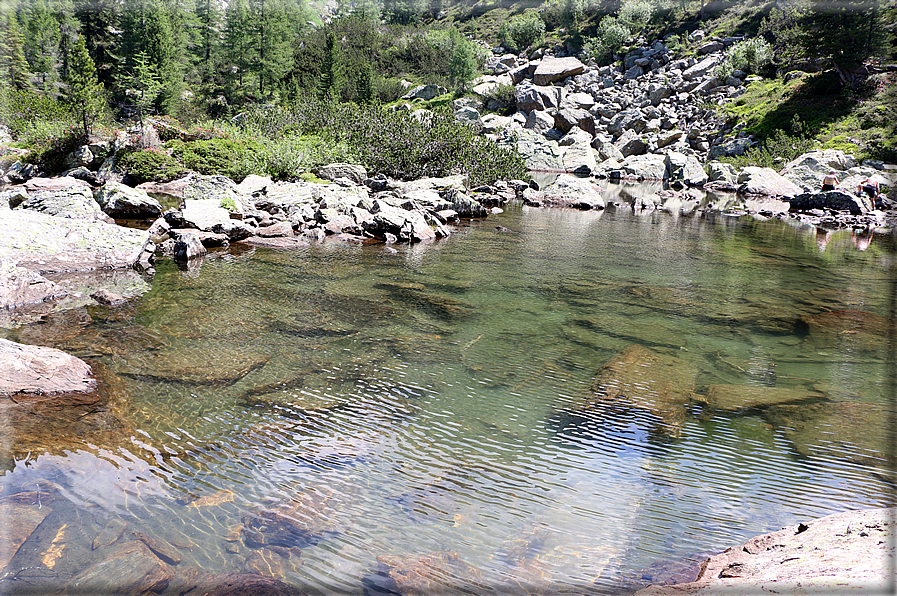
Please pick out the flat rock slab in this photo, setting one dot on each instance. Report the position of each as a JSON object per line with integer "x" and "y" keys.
{"x": 36, "y": 370}
{"x": 550, "y": 70}
{"x": 853, "y": 330}
{"x": 433, "y": 573}
{"x": 845, "y": 553}
{"x": 45, "y": 243}
{"x": 130, "y": 569}
{"x": 765, "y": 181}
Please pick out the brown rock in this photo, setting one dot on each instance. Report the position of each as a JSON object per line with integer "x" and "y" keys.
{"x": 237, "y": 584}
{"x": 434, "y": 573}
{"x": 848, "y": 330}
{"x": 651, "y": 381}
{"x": 304, "y": 520}
{"x": 19, "y": 521}
{"x": 283, "y": 228}
{"x": 161, "y": 549}
{"x": 33, "y": 371}
{"x": 107, "y": 298}
{"x": 19, "y": 286}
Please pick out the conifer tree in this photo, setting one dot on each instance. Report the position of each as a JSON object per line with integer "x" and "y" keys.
{"x": 41, "y": 42}
{"x": 330, "y": 83}
{"x": 99, "y": 24}
{"x": 238, "y": 42}
{"x": 463, "y": 63}
{"x": 272, "y": 36}
{"x": 85, "y": 92}
{"x": 15, "y": 64}
{"x": 144, "y": 86}
{"x": 364, "y": 94}
{"x": 64, "y": 12}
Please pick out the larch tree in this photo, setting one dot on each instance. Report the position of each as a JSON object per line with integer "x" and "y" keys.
{"x": 100, "y": 25}
{"x": 85, "y": 92}
{"x": 41, "y": 42}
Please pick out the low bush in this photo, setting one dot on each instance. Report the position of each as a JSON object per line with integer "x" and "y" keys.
{"x": 218, "y": 156}
{"x": 609, "y": 39}
{"x": 522, "y": 31}
{"x": 150, "y": 165}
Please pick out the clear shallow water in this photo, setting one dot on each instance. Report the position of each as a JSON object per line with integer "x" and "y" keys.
{"x": 438, "y": 399}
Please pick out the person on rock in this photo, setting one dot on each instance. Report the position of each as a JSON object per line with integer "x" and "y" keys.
{"x": 830, "y": 181}
{"x": 871, "y": 187}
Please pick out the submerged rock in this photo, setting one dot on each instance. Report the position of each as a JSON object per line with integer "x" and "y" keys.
{"x": 36, "y": 371}
{"x": 856, "y": 329}
{"x": 19, "y": 286}
{"x": 305, "y": 520}
{"x": 236, "y": 584}
{"x": 744, "y": 397}
{"x": 861, "y": 435}
{"x": 130, "y": 569}
{"x": 434, "y": 573}
{"x": 641, "y": 378}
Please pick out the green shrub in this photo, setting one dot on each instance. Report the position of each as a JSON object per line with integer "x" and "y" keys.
{"x": 501, "y": 99}
{"x": 217, "y": 156}
{"x": 635, "y": 14}
{"x": 609, "y": 39}
{"x": 751, "y": 55}
{"x": 522, "y": 31}
{"x": 36, "y": 119}
{"x": 151, "y": 165}
{"x": 778, "y": 149}
{"x": 50, "y": 151}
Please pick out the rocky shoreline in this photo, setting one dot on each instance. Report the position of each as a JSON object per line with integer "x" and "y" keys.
{"x": 845, "y": 553}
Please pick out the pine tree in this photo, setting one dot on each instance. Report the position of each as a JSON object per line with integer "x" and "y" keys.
{"x": 15, "y": 63}
{"x": 238, "y": 43}
{"x": 272, "y": 36}
{"x": 144, "y": 86}
{"x": 85, "y": 92}
{"x": 64, "y": 12}
{"x": 364, "y": 94}
{"x": 99, "y": 24}
{"x": 41, "y": 42}
{"x": 150, "y": 30}
{"x": 330, "y": 83}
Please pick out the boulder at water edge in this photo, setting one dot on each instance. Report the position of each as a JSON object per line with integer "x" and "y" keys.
{"x": 19, "y": 286}
{"x": 123, "y": 202}
{"x": 765, "y": 181}
{"x": 839, "y": 200}
{"x": 46, "y": 243}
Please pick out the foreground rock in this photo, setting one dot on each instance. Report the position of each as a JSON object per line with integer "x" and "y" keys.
{"x": 51, "y": 401}
{"x": 851, "y": 552}
{"x": 46, "y": 243}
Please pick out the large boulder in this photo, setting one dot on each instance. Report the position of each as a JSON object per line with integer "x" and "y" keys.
{"x": 537, "y": 97}
{"x": 686, "y": 168}
{"x": 645, "y": 167}
{"x": 701, "y": 68}
{"x": 63, "y": 197}
{"x": 839, "y": 200}
{"x": 567, "y": 191}
{"x": 19, "y": 286}
{"x": 579, "y": 157}
{"x": 724, "y": 173}
{"x": 539, "y": 153}
{"x": 353, "y": 172}
{"x": 730, "y": 148}
{"x": 823, "y": 161}
{"x": 425, "y": 92}
{"x": 123, "y": 202}
{"x": 218, "y": 188}
{"x": 765, "y": 181}
{"x": 550, "y": 70}
{"x": 47, "y": 243}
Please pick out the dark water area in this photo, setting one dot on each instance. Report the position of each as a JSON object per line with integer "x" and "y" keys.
{"x": 442, "y": 400}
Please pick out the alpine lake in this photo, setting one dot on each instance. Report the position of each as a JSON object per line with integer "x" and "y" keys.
{"x": 549, "y": 401}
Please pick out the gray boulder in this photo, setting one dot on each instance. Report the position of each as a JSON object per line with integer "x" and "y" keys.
{"x": 645, "y": 167}
{"x": 123, "y": 202}
{"x": 464, "y": 205}
{"x": 356, "y": 173}
{"x": 578, "y": 157}
{"x": 567, "y": 191}
{"x": 537, "y": 97}
{"x": 19, "y": 172}
{"x": 188, "y": 246}
{"x": 700, "y": 69}
{"x": 538, "y": 152}
{"x": 425, "y": 92}
{"x": 823, "y": 161}
{"x": 539, "y": 121}
{"x": 630, "y": 144}
{"x": 606, "y": 150}
{"x": 81, "y": 156}
{"x": 550, "y": 70}
{"x": 839, "y": 200}
{"x": 686, "y": 168}
{"x": 765, "y": 181}
{"x": 730, "y": 148}
{"x": 718, "y": 171}
{"x": 219, "y": 188}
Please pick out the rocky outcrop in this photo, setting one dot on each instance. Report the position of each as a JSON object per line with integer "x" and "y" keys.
{"x": 567, "y": 191}
{"x": 850, "y": 552}
{"x": 765, "y": 181}
{"x": 46, "y": 243}
{"x": 63, "y": 197}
